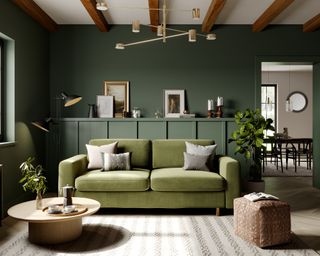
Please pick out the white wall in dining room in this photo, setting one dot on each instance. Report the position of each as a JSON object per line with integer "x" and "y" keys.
{"x": 299, "y": 124}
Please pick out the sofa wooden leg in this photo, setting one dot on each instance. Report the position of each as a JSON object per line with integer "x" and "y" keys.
{"x": 217, "y": 211}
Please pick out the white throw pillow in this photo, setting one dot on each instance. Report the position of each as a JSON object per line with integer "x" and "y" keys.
{"x": 94, "y": 154}
{"x": 116, "y": 161}
{"x": 202, "y": 150}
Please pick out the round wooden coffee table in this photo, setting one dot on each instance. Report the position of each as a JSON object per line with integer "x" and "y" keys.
{"x": 51, "y": 229}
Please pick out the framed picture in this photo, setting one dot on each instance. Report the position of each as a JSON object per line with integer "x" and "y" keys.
{"x": 120, "y": 91}
{"x": 104, "y": 106}
{"x": 173, "y": 103}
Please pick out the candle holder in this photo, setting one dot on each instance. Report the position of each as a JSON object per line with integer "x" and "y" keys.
{"x": 210, "y": 108}
{"x": 219, "y": 112}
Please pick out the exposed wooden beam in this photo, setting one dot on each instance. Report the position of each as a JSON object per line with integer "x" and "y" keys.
{"x": 96, "y": 15}
{"x": 215, "y": 8}
{"x": 312, "y": 24}
{"x": 34, "y": 11}
{"x": 270, "y": 13}
{"x": 154, "y": 14}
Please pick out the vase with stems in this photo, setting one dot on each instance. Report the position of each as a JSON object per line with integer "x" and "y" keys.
{"x": 33, "y": 180}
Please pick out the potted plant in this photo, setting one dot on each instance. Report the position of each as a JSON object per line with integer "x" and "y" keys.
{"x": 249, "y": 138}
{"x": 33, "y": 180}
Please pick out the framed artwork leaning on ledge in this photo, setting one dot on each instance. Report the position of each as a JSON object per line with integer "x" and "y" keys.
{"x": 174, "y": 103}
{"x": 120, "y": 91}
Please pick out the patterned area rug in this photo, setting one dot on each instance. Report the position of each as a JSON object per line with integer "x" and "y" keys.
{"x": 138, "y": 235}
{"x": 271, "y": 171}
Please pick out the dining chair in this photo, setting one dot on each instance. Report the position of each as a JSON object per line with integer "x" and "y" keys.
{"x": 291, "y": 153}
{"x": 299, "y": 150}
{"x": 273, "y": 152}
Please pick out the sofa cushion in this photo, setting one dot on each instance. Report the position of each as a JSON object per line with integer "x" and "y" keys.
{"x": 177, "y": 179}
{"x": 195, "y": 149}
{"x": 122, "y": 180}
{"x": 94, "y": 154}
{"x": 116, "y": 161}
{"x": 169, "y": 153}
{"x": 195, "y": 162}
{"x": 140, "y": 150}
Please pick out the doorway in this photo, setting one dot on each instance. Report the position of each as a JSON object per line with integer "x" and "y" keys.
{"x": 313, "y": 106}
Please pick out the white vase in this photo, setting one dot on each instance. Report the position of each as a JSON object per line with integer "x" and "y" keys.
{"x": 39, "y": 201}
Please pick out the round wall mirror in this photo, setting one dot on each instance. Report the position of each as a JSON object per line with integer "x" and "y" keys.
{"x": 298, "y": 100}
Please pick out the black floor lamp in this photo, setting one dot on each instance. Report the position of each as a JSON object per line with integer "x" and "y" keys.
{"x": 68, "y": 100}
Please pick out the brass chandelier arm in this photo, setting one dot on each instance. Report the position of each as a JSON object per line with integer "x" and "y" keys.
{"x": 172, "y": 29}
{"x": 155, "y": 39}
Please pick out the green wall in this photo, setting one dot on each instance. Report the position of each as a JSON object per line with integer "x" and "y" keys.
{"x": 82, "y": 58}
{"x": 30, "y": 93}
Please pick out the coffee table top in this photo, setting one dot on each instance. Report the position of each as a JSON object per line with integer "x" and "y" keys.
{"x": 27, "y": 210}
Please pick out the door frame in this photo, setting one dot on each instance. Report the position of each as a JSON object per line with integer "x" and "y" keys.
{"x": 315, "y": 61}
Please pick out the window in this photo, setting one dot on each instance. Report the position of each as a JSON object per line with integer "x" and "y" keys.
{"x": 1, "y": 90}
{"x": 269, "y": 103}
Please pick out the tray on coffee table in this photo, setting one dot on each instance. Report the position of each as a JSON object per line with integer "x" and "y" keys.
{"x": 79, "y": 209}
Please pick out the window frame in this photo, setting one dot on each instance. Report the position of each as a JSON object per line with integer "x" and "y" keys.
{"x": 2, "y": 92}
{"x": 275, "y": 100}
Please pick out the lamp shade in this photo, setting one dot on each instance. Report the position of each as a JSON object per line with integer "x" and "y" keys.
{"x": 43, "y": 124}
{"x": 196, "y": 13}
{"x": 70, "y": 100}
{"x": 102, "y": 6}
{"x": 136, "y": 26}
{"x": 192, "y": 35}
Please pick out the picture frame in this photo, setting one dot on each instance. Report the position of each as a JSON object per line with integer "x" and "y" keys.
{"x": 105, "y": 106}
{"x": 120, "y": 91}
{"x": 174, "y": 103}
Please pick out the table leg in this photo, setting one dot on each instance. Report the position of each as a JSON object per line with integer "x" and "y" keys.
{"x": 55, "y": 232}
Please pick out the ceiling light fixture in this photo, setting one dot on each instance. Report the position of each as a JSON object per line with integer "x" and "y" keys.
{"x": 162, "y": 28}
{"x": 101, "y": 6}
{"x": 288, "y": 101}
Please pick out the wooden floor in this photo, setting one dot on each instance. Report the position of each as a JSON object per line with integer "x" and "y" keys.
{"x": 304, "y": 201}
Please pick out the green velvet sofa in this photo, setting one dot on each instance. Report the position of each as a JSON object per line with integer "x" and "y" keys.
{"x": 156, "y": 180}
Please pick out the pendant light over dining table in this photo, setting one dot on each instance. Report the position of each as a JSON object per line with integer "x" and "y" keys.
{"x": 162, "y": 29}
{"x": 288, "y": 101}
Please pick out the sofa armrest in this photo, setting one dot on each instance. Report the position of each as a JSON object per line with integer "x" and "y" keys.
{"x": 230, "y": 170}
{"x": 70, "y": 169}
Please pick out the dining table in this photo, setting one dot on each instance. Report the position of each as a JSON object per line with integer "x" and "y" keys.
{"x": 297, "y": 149}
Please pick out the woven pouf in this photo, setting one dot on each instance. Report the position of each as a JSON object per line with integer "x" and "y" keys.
{"x": 264, "y": 222}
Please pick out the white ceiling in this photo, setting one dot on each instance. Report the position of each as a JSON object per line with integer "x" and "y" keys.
{"x": 282, "y": 67}
{"x": 234, "y": 11}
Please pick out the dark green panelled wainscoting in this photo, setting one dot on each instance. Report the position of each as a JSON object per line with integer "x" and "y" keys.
{"x": 76, "y": 132}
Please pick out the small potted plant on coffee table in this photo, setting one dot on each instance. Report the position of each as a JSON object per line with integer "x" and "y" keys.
{"x": 249, "y": 138}
{"x": 33, "y": 180}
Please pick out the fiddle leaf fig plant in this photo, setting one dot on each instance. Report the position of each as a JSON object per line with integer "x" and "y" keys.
{"x": 249, "y": 138}
{"x": 33, "y": 179}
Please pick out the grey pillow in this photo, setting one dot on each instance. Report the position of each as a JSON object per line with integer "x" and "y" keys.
{"x": 202, "y": 150}
{"x": 195, "y": 162}
{"x": 116, "y": 161}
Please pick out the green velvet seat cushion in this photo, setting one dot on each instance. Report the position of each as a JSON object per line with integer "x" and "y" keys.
{"x": 120, "y": 180}
{"x": 178, "y": 179}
